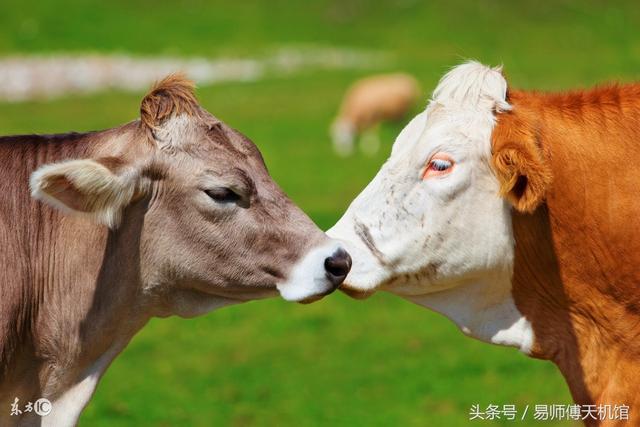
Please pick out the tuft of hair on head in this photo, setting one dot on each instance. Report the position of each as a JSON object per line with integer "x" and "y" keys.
{"x": 475, "y": 85}
{"x": 171, "y": 96}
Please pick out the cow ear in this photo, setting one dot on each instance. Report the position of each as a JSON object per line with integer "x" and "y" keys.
{"x": 523, "y": 173}
{"x": 100, "y": 188}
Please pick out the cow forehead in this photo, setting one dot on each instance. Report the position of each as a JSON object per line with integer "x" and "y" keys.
{"x": 461, "y": 111}
{"x": 410, "y": 134}
{"x": 459, "y": 132}
{"x": 206, "y": 142}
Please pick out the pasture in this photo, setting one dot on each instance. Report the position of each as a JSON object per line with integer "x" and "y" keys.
{"x": 337, "y": 362}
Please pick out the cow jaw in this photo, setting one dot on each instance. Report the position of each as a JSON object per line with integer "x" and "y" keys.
{"x": 483, "y": 309}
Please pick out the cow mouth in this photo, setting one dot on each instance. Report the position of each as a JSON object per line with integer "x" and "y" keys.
{"x": 314, "y": 298}
{"x": 356, "y": 293}
{"x": 311, "y": 299}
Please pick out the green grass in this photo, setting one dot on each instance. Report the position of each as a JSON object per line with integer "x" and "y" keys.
{"x": 337, "y": 362}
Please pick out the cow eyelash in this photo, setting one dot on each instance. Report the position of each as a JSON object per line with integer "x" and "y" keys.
{"x": 440, "y": 165}
{"x": 223, "y": 195}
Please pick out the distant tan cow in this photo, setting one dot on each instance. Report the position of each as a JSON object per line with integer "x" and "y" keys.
{"x": 367, "y": 103}
{"x": 516, "y": 214}
{"x": 172, "y": 214}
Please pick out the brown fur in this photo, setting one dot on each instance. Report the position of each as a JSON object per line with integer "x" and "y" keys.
{"x": 519, "y": 164}
{"x": 576, "y": 273}
{"x": 374, "y": 99}
{"x": 172, "y": 95}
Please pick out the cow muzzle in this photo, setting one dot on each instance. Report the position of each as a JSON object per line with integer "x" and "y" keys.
{"x": 369, "y": 268}
{"x": 320, "y": 272}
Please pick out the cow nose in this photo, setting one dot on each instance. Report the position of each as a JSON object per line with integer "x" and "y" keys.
{"x": 337, "y": 266}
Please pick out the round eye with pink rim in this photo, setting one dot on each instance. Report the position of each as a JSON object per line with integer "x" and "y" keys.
{"x": 440, "y": 164}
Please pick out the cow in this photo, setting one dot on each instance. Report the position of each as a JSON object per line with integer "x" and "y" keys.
{"x": 369, "y": 102}
{"x": 516, "y": 214}
{"x": 171, "y": 214}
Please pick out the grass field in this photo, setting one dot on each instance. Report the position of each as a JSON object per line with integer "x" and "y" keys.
{"x": 338, "y": 362}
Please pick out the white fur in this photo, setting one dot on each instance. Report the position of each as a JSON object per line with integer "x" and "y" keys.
{"x": 174, "y": 132}
{"x": 474, "y": 85}
{"x": 484, "y": 310}
{"x": 67, "y": 408}
{"x": 308, "y": 278}
{"x": 445, "y": 242}
{"x": 93, "y": 180}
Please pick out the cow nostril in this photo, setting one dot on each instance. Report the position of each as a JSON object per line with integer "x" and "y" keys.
{"x": 337, "y": 266}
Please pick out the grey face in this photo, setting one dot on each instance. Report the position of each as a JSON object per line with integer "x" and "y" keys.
{"x": 221, "y": 227}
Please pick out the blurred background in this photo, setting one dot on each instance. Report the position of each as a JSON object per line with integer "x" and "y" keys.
{"x": 277, "y": 71}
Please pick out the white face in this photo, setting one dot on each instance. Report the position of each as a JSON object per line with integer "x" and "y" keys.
{"x": 432, "y": 216}
{"x": 431, "y": 226}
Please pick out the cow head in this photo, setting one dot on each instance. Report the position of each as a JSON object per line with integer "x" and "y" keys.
{"x": 216, "y": 229}
{"x": 434, "y": 225}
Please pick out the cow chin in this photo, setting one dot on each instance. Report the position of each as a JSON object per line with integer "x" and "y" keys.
{"x": 363, "y": 281}
{"x": 356, "y": 293}
{"x": 313, "y": 298}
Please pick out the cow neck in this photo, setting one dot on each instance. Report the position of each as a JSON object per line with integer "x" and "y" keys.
{"x": 567, "y": 318}
{"x": 482, "y": 309}
{"x": 94, "y": 291}
{"x": 87, "y": 279}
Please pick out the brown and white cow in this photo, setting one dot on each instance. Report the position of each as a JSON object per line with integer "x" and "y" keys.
{"x": 369, "y": 102}
{"x": 516, "y": 214}
{"x": 172, "y": 214}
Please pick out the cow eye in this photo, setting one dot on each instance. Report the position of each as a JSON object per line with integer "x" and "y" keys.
{"x": 223, "y": 195}
{"x": 440, "y": 164}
